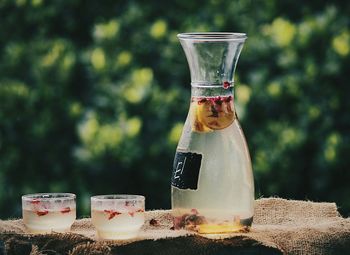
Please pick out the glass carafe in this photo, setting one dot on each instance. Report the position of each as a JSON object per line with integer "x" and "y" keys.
{"x": 212, "y": 181}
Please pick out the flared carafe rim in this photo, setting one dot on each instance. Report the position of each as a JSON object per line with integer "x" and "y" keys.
{"x": 213, "y": 36}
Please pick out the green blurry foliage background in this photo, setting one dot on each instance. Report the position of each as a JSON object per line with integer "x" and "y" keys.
{"x": 93, "y": 96}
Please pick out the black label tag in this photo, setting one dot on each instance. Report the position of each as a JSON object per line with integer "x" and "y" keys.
{"x": 186, "y": 170}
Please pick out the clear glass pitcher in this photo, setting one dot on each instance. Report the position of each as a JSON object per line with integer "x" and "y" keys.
{"x": 212, "y": 182}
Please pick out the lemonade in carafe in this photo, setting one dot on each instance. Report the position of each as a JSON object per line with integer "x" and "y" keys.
{"x": 212, "y": 181}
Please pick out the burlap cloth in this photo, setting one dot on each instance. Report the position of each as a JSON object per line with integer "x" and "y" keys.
{"x": 280, "y": 227}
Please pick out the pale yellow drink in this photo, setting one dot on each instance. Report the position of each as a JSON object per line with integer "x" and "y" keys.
{"x": 117, "y": 216}
{"x": 48, "y": 221}
{"x": 48, "y": 212}
{"x": 117, "y": 225}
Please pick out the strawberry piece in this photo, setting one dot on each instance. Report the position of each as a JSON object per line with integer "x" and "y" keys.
{"x": 112, "y": 213}
{"x": 42, "y": 213}
{"x": 66, "y": 210}
{"x": 35, "y": 201}
{"x": 226, "y": 84}
{"x": 194, "y": 211}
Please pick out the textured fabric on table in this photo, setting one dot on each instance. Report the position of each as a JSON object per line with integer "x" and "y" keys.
{"x": 280, "y": 227}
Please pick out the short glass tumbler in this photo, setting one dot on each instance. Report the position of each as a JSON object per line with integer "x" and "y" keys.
{"x": 48, "y": 212}
{"x": 117, "y": 216}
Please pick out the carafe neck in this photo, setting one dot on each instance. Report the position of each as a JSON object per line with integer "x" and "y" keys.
{"x": 213, "y": 90}
{"x": 212, "y": 57}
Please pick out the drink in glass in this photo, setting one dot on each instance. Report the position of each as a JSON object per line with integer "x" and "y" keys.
{"x": 117, "y": 216}
{"x": 48, "y": 212}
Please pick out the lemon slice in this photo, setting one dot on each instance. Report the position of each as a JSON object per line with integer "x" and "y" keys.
{"x": 218, "y": 229}
{"x": 197, "y": 125}
{"x": 216, "y": 115}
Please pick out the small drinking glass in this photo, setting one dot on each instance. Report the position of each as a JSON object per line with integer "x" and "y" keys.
{"x": 117, "y": 216}
{"x": 48, "y": 212}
